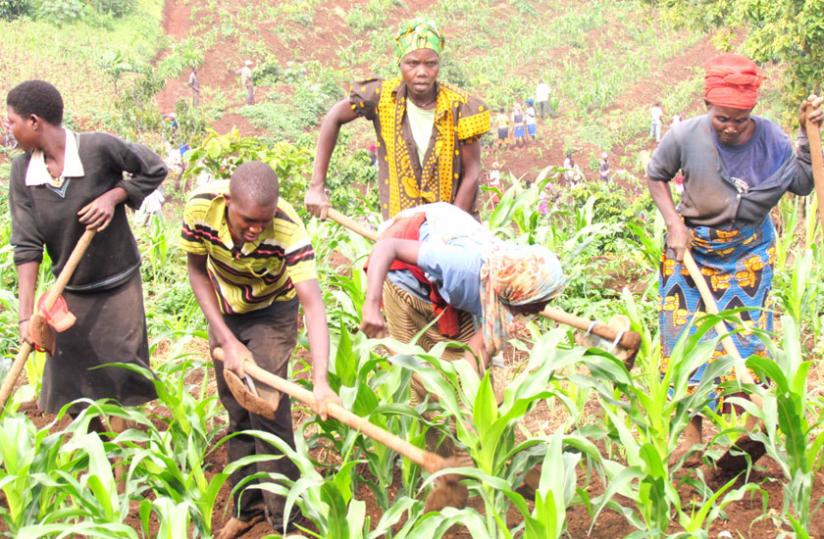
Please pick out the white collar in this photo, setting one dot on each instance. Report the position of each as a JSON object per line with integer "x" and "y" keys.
{"x": 38, "y": 173}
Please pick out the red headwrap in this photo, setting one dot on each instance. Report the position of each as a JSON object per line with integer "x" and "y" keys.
{"x": 732, "y": 81}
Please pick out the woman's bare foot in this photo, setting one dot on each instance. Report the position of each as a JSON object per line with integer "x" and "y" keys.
{"x": 236, "y": 527}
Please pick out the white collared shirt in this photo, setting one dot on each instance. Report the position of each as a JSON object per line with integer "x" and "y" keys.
{"x": 38, "y": 172}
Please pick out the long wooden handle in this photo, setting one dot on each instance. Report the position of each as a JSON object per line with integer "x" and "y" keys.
{"x": 711, "y": 307}
{"x": 629, "y": 339}
{"x": 68, "y": 270}
{"x": 430, "y": 462}
{"x": 352, "y": 225}
{"x": 59, "y": 285}
{"x": 14, "y": 373}
{"x": 814, "y": 136}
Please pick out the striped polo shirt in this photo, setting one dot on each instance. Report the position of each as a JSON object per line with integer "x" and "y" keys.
{"x": 251, "y": 276}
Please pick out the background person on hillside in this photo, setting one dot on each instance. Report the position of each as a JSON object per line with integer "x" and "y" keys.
{"x": 656, "y": 114}
{"x": 502, "y": 126}
{"x": 194, "y": 84}
{"x": 518, "y": 125}
{"x": 477, "y": 281}
{"x": 429, "y": 133}
{"x": 251, "y": 265}
{"x": 247, "y": 80}
{"x": 572, "y": 172}
{"x": 736, "y": 167}
{"x": 65, "y": 183}
{"x": 530, "y": 120}
{"x": 542, "y": 99}
{"x": 603, "y": 167}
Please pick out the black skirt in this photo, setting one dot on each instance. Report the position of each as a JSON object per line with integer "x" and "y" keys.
{"x": 110, "y": 328}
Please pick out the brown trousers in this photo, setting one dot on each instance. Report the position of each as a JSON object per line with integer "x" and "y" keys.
{"x": 407, "y": 314}
{"x": 270, "y": 334}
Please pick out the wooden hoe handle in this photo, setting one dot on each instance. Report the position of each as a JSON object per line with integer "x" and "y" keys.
{"x": 352, "y": 225}
{"x": 628, "y": 339}
{"x": 711, "y": 307}
{"x": 729, "y": 346}
{"x": 52, "y": 295}
{"x": 14, "y": 372}
{"x": 430, "y": 462}
{"x": 814, "y": 136}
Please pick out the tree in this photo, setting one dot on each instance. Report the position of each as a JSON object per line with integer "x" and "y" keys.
{"x": 12, "y": 9}
{"x": 785, "y": 31}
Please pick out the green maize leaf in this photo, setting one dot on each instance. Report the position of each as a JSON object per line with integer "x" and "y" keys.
{"x": 655, "y": 464}
{"x": 790, "y": 412}
{"x": 801, "y": 531}
{"x": 365, "y": 403}
{"x": 173, "y": 518}
{"x": 546, "y": 511}
{"x": 355, "y": 519}
{"x": 77, "y": 529}
{"x": 393, "y": 515}
{"x": 337, "y": 526}
{"x": 520, "y": 504}
{"x": 798, "y": 383}
{"x": 439, "y": 524}
{"x": 696, "y": 521}
{"x": 346, "y": 363}
{"x": 342, "y": 480}
{"x": 620, "y": 483}
{"x": 484, "y": 415}
{"x": 485, "y": 479}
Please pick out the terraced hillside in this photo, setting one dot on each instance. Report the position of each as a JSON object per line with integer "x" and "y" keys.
{"x": 607, "y": 63}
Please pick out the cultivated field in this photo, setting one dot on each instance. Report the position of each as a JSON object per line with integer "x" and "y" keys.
{"x": 604, "y": 434}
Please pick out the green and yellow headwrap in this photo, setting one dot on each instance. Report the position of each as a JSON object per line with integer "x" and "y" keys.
{"x": 418, "y": 34}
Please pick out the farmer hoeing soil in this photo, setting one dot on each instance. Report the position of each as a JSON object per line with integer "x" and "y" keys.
{"x": 251, "y": 264}
{"x": 736, "y": 168}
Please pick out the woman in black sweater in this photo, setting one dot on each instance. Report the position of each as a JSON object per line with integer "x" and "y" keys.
{"x": 64, "y": 183}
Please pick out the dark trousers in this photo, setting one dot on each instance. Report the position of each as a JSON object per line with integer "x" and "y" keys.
{"x": 270, "y": 334}
{"x": 543, "y": 108}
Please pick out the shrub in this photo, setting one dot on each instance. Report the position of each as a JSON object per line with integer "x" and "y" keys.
{"x": 115, "y": 8}
{"x": 60, "y": 11}
{"x": 12, "y": 9}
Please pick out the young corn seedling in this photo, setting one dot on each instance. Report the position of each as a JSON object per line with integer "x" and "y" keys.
{"x": 787, "y": 411}
{"x": 647, "y": 424}
{"x": 487, "y": 430}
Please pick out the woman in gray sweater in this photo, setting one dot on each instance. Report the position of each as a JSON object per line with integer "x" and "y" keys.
{"x": 736, "y": 167}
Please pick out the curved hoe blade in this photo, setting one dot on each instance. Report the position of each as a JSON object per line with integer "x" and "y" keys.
{"x": 249, "y": 399}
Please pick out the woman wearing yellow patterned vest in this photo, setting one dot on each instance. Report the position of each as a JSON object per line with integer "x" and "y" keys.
{"x": 428, "y": 133}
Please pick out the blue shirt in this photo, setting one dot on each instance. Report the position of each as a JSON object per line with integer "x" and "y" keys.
{"x": 758, "y": 158}
{"x": 451, "y": 256}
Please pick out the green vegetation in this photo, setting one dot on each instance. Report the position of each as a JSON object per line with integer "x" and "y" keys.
{"x": 783, "y": 31}
{"x": 94, "y": 56}
{"x": 602, "y": 434}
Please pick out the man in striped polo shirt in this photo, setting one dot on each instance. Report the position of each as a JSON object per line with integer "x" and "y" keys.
{"x": 251, "y": 264}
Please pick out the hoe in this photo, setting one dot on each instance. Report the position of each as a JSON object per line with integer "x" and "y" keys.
{"x": 448, "y": 491}
{"x": 45, "y": 320}
{"x": 730, "y": 463}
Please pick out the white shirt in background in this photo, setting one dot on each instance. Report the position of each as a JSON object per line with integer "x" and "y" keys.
{"x": 542, "y": 92}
